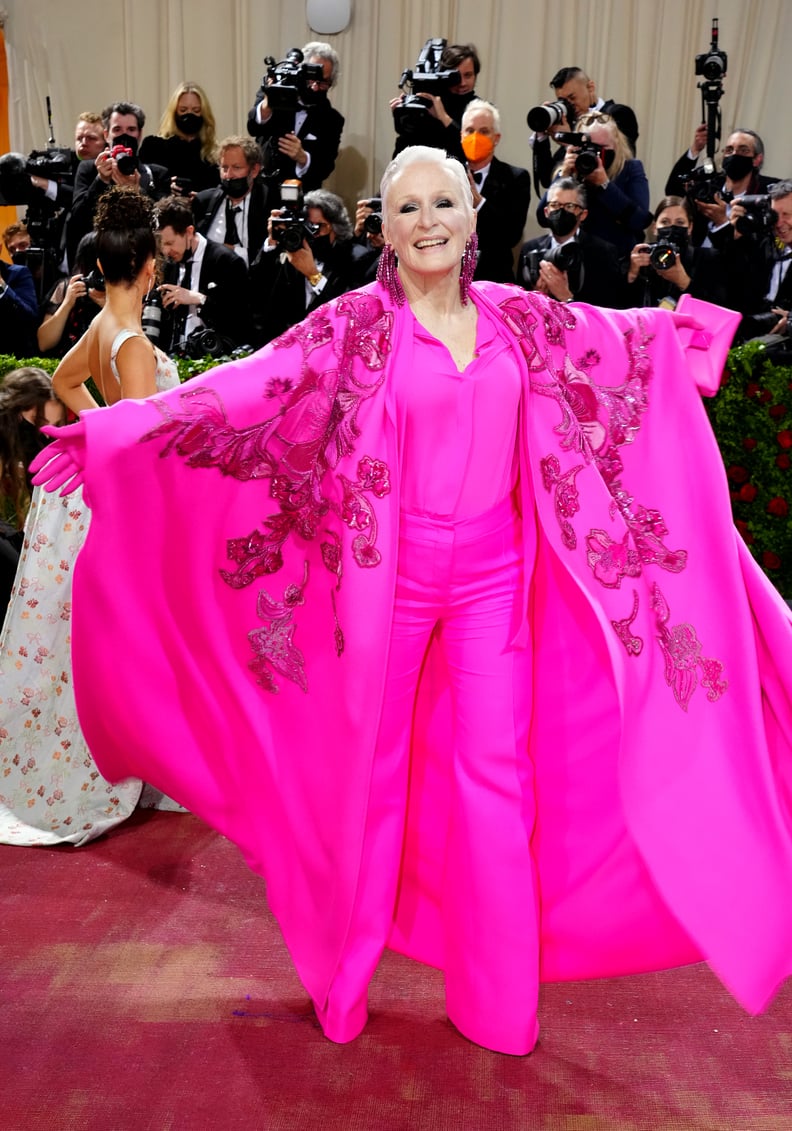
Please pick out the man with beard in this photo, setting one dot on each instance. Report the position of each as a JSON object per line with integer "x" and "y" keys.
{"x": 235, "y": 214}
{"x": 301, "y": 143}
{"x": 123, "y": 124}
{"x": 440, "y": 126}
{"x": 569, "y": 264}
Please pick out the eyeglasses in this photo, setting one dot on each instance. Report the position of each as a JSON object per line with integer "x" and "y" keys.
{"x": 743, "y": 150}
{"x": 557, "y": 206}
{"x": 318, "y": 84}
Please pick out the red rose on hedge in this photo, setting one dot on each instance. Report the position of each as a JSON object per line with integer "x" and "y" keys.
{"x": 737, "y": 473}
{"x": 783, "y": 461}
{"x": 771, "y": 560}
{"x": 778, "y": 506}
{"x": 785, "y": 438}
{"x": 777, "y": 411}
{"x": 747, "y": 493}
{"x": 751, "y": 389}
{"x": 749, "y": 443}
{"x": 765, "y": 396}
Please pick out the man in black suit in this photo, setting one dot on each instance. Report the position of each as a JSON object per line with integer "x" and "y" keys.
{"x": 123, "y": 124}
{"x": 501, "y": 193}
{"x": 206, "y": 285}
{"x": 762, "y": 266}
{"x": 287, "y": 285}
{"x": 579, "y": 92}
{"x": 569, "y": 264}
{"x": 301, "y": 143}
{"x": 236, "y": 213}
{"x": 439, "y": 125}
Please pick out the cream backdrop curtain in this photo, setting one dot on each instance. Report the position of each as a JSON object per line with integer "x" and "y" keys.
{"x": 85, "y": 54}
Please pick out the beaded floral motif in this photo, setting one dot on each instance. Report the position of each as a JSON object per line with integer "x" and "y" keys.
{"x": 566, "y": 499}
{"x": 623, "y": 629}
{"x": 297, "y": 449}
{"x": 681, "y": 650}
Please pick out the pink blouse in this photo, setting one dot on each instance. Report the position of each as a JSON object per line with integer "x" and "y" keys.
{"x": 460, "y": 455}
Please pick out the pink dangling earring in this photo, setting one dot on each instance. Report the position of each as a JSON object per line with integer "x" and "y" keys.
{"x": 468, "y": 267}
{"x": 388, "y": 276}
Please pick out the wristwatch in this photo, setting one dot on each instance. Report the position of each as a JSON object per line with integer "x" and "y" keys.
{"x": 316, "y": 278}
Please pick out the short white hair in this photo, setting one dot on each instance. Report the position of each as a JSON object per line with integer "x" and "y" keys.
{"x": 427, "y": 155}
{"x": 481, "y": 104}
{"x": 318, "y": 50}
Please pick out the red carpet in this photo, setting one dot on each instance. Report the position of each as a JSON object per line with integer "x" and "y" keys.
{"x": 146, "y": 986}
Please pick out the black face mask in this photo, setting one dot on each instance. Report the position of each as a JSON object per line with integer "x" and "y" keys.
{"x": 737, "y": 165}
{"x": 320, "y": 246}
{"x": 234, "y": 187}
{"x": 608, "y": 157}
{"x": 189, "y": 124}
{"x": 127, "y": 141}
{"x": 561, "y": 223}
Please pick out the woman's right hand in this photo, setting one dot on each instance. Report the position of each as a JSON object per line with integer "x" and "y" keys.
{"x": 76, "y": 289}
{"x": 639, "y": 257}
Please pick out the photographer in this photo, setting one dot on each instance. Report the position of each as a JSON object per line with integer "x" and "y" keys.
{"x": 117, "y": 164}
{"x": 501, "y": 193}
{"x": 205, "y": 284}
{"x": 73, "y": 303}
{"x": 578, "y": 95}
{"x": 186, "y": 143}
{"x": 616, "y": 184}
{"x": 569, "y": 264}
{"x": 711, "y": 192}
{"x": 307, "y": 147}
{"x": 660, "y": 273}
{"x": 287, "y": 284}
{"x": 369, "y": 240}
{"x": 19, "y": 313}
{"x": 434, "y": 119}
{"x": 763, "y": 257}
{"x": 235, "y": 214}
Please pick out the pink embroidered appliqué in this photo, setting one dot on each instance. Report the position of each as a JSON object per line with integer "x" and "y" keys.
{"x": 633, "y": 644}
{"x": 610, "y": 561}
{"x": 298, "y": 450}
{"x": 681, "y": 650}
{"x": 275, "y": 652}
{"x": 566, "y": 499}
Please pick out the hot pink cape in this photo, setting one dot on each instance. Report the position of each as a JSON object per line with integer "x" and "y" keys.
{"x": 243, "y": 673}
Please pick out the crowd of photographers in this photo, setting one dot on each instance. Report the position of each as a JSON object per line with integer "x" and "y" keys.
{"x": 250, "y": 241}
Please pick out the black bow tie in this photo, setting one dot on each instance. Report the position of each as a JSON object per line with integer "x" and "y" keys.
{"x": 478, "y": 177}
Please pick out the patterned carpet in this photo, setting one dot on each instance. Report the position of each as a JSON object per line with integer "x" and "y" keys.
{"x": 145, "y": 986}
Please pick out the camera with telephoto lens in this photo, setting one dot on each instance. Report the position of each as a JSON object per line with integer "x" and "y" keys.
{"x": 541, "y": 119}
{"x": 292, "y": 226}
{"x": 373, "y": 222}
{"x": 427, "y": 77}
{"x": 759, "y": 218}
{"x": 125, "y": 159}
{"x": 668, "y": 245}
{"x": 287, "y": 83}
{"x": 588, "y": 155}
{"x": 565, "y": 256}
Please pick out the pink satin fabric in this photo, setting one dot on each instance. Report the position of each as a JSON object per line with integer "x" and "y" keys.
{"x": 662, "y": 720}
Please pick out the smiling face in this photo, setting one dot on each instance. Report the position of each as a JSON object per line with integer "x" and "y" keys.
{"x": 427, "y": 220}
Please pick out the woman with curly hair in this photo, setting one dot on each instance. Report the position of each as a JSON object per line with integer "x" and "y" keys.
{"x": 55, "y": 793}
{"x": 186, "y": 141}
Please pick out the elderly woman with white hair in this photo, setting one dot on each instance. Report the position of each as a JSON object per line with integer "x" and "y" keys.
{"x": 462, "y": 648}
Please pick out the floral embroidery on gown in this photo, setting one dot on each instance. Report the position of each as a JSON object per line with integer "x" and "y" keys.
{"x": 50, "y": 789}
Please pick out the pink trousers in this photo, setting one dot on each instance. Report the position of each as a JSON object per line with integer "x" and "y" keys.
{"x": 460, "y": 582}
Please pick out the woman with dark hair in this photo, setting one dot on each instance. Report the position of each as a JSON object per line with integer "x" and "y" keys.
{"x": 55, "y": 792}
{"x": 73, "y": 303}
{"x": 186, "y": 141}
{"x": 659, "y": 274}
{"x": 27, "y": 402}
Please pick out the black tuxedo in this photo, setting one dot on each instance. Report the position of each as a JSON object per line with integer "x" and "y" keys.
{"x": 207, "y": 203}
{"x": 602, "y": 281}
{"x": 501, "y": 219}
{"x": 425, "y": 129}
{"x": 278, "y": 289}
{"x": 320, "y": 135}
{"x": 224, "y": 281}
{"x": 89, "y": 186}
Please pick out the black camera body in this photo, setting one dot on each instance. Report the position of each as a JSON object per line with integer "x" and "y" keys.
{"x": 589, "y": 153}
{"x": 668, "y": 245}
{"x": 125, "y": 159}
{"x": 759, "y": 218}
{"x": 373, "y": 222}
{"x": 286, "y": 82}
{"x": 702, "y": 184}
{"x": 292, "y": 226}
{"x": 565, "y": 256}
{"x": 94, "y": 280}
{"x": 427, "y": 77}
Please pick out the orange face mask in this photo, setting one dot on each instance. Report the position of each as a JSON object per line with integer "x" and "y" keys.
{"x": 477, "y": 147}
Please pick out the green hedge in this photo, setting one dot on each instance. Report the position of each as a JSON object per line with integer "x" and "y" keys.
{"x": 751, "y": 416}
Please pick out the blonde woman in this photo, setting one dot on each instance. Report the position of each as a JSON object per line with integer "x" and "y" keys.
{"x": 186, "y": 141}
